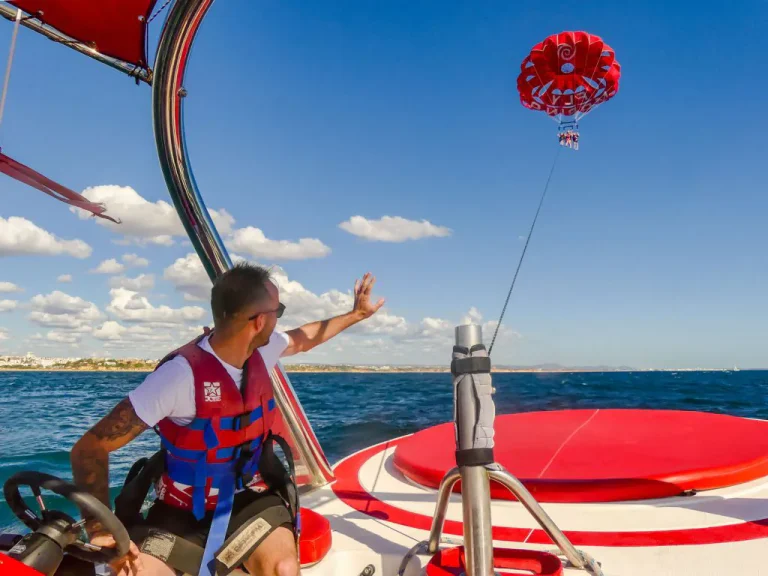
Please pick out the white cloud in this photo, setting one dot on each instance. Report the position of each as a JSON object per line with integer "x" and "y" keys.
{"x": 434, "y": 329}
{"x": 472, "y": 317}
{"x": 135, "y": 260}
{"x": 304, "y": 306}
{"x": 110, "y": 266}
{"x": 19, "y": 236}
{"x": 142, "y": 282}
{"x": 253, "y": 242}
{"x": 392, "y": 229}
{"x": 60, "y": 310}
{"x": 8, "y": 287}
{"x": 189, "y": 277}
{"x": 63, "y": 337}
{"x": 8, "y": 305}
{"x": 3, "y": 334}
{"x": 489, "y": 327}
{"x": 128, "y": 305}
{"x": 439, "y": 333}
{"x": 143, "y": 221}
{"x": 65, "y": 278}
{"x": 60, "y": 303}
{"x": 114, "y": 331}
{"x": 151, "y": 340}
{"x": 110, "y": 330}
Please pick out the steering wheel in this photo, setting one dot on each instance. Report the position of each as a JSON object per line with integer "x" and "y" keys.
{"x": 59, "y": 526}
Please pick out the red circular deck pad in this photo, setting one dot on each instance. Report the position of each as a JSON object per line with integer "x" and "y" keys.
{"x": 604, "y": 455}
{"x": 451, "y": 562}
{"x": 348, "y": 489}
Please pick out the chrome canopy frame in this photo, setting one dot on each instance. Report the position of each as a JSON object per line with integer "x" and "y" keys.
{"x": 168, "y": 95}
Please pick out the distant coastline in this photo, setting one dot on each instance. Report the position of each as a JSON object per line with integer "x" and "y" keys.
{"x": 32, "y": 363}
{"x": 342, "y": 369}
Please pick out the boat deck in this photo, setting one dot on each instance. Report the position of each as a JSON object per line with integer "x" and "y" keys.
{"x": 377, "y": 514}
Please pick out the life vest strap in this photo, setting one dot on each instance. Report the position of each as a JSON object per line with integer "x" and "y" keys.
{"x": 189, "y": 473}
{"x": 244, "y": 449}
{"x": 232, "y": 422}
{"x": 280, "y": 480}
{"x": 182, "y": 453}
{"x": 218, "y": 531}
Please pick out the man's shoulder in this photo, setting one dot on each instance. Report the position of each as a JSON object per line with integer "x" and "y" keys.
{"x": 175, "y": 368}
{"x": 278, "y": 341}
{"x": 279, "y": 336}
{"x": 165, "y": 392}
{"x": 272, "y": 350}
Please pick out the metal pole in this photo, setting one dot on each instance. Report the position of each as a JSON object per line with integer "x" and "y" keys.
{"x": 476, "y": 490}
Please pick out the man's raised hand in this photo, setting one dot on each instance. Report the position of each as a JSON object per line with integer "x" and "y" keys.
{"x": 363, "y": 305}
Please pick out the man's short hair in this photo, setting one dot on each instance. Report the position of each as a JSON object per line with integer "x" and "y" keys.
{"x": 237, "y": 290}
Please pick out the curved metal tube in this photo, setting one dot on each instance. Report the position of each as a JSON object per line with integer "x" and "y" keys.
{"x": 319, "y": 471}
{"x": 441, "y": 509}
{"x": 168, "y": 118}
{"x": 168, "y": 95}
{"x": 517, "y": 488}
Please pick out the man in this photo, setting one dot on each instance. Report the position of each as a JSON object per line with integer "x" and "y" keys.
{"x": 187, "y": 411}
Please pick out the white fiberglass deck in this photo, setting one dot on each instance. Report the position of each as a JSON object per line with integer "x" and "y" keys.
{"x": 377, "y": 515}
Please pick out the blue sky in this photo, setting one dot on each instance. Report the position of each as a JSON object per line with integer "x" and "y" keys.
{"x": 650, "y": 250}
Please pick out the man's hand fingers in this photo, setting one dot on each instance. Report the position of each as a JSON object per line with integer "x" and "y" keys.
{"x": 104, "y": 540}
{"x": 357, "y": 286}
{"x": 379, "y": 304}
{"x": 136, "y": 566}
{"x": 128, "y": 565}
{"x": 135, "y": 560}
{"x": 133, "y": 549}
{"x": 369, "y": 285}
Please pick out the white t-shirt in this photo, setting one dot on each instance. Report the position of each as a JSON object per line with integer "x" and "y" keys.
{"x": 169, "y": 391}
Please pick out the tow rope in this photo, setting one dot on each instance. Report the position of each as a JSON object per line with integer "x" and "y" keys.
{"x": 525, "y": 248}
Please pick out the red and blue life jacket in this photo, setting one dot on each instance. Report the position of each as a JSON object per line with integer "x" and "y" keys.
{"x": 225, "y": 436}
{"x": 220, "y": 450}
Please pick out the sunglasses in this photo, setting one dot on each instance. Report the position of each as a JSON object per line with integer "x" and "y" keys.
{"x": 280, "y": 309}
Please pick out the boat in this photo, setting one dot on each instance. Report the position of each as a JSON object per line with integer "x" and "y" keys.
{"x": 566, "y": 492}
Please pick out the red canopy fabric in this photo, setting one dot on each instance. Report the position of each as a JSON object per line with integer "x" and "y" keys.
{"x": 568, "y": 73}
{"x": 26, "y": 175}
{"x": 116, "y": 28}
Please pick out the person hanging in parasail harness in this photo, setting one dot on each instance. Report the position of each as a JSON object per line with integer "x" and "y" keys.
{"x": 212, "y": 404}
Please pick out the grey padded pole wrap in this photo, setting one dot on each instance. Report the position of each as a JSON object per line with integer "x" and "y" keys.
{"x": 473, "y": 407}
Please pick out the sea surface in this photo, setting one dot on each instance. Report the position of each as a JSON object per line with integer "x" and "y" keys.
{"x": 42, "y": 414}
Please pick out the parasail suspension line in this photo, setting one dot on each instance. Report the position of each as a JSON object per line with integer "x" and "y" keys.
{"x": 525, "y": 248}
{"x": 10, "y": 63}
{"x": 157, "y": 13}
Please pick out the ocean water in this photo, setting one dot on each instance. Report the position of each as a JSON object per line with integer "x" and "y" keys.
{"x": 43, "y": 413}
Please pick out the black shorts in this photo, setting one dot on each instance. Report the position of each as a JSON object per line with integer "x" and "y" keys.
{"x": 247, "y": 504}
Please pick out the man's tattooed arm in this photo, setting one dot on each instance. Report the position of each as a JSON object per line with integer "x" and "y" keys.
{"x": 90, "y": 455}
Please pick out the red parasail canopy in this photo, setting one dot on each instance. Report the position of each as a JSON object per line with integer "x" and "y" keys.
{"x": 115, "y": 28}
{"x": 568, "y": 74}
